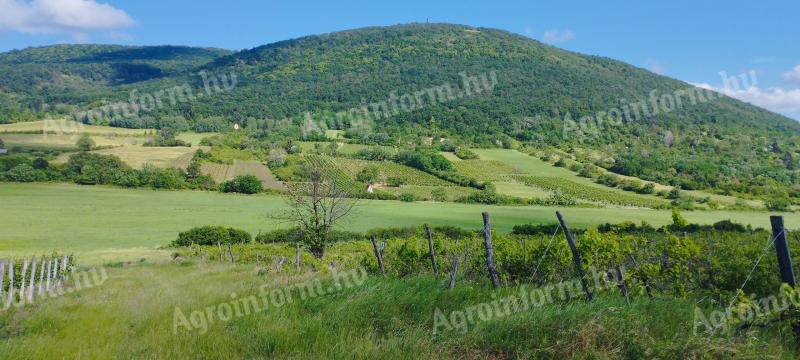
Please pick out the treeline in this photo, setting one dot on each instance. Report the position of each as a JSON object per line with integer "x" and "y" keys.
{"x": 97, "y": 169}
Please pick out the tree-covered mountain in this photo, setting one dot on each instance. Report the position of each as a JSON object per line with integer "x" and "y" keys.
{"x": 54, "y": 78}
{"x": 723, "y": 144}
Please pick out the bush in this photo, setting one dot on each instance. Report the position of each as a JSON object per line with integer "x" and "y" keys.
{"x": 778, "y": 203}
{"x": 373, "y": 153}
{"x": 243, "y": 184}
{"x": 93, "y": 169}
{"x": 85, "y": 143}
{"x": 407, "y": 197}
{"x": 368, "y": 174}
{"x": 294, "y": 235}
{"x": 466, "y": 154}
{"x": 727, "y": 225}
{"x": 395, "y": 181}
{"x": 648, "y": 188}
{"x": 211, "y": 235}
{"x": 25, "y": 173}
{"x": 439, "y": 194}
{"x": 276, "y": 158}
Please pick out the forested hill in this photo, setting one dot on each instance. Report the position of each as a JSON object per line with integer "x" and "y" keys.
{"x": 722, "y": 144}
{"x": 60, "y": 78}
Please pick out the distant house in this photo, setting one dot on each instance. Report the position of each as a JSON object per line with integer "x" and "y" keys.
{"x": 3, "y": 151}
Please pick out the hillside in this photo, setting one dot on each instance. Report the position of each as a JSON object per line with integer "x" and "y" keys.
{"x": 724, "y": 145}
{"x": 53, "y": 78}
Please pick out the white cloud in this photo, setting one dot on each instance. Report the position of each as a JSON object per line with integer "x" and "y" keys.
{"x": 785, "y": 101}
{"x": 76, "y": 17}
{"x": 793, "y": 76}
{"x": 556, "y": 36}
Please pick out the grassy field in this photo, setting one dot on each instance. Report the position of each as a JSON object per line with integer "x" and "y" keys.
{"x": 136, "y": 156}
{"x": 64, "y": 141}
{"x": 114, "y": 222}
{"x": 70, "y": 127}
{"x": 367, "y": 318}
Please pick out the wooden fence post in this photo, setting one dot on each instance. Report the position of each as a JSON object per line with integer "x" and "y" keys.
{"x": 219, "y": 251}
{"x": 10, "y": 282}
{"x": 454, "y": 271}
{"x": 41, "y": 276}
{"x": 49, "y": 274}
{"x": 784, "y": 261}
{"x": 22, "y": 281}
{"x": 487, "y": 243}
{"x": 280, "y": 264}
{"x": 2, "y": 277}
{"x": 623, "y": 287}
{"x": 430, "y": 248}
{"x": 32, "y": 283}
{"x": 378, "y": 255}
{"x": 576, "y": 257}
{"x": 230, "y": 252}
{"x": 782, "y": 249}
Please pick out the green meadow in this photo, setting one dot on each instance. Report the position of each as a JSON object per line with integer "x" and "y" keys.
{"x": 113, "y": 222}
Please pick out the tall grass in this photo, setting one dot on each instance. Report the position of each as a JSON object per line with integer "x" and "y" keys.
{"x": 131, "y": 316}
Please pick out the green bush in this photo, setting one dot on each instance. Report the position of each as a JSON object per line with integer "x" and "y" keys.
{"x": 466, "y": 154}
{"x": 211, "y": 235}
{"x": 243, "y": 184}
{"x": 407, "y": 197}
{"x": 778, "y": 204}
{"x": 25, "y": 173}
{"x": 294, "y": 235}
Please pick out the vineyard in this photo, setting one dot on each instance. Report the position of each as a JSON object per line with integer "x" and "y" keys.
{"x": 484, "y": 170}
{"x": 590, "y": 193}
{"x": 388, "y": 170}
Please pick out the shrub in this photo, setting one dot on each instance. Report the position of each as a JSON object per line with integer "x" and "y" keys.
{"x": 395, "y": 181}
{"x": 407, "y": 197}
{"x": 25, "y": 173}
{"x": 276, "y": 158}
{"x": 85, "y": 143}
{"x": 91, "y": 169}
{"x": 373, "y": 153}
{"x": 40, "y": 163}
{"x": 211, "y": 235}
{"x": 439, "y": 194}
{"x": 727, "y": 225}
{"x": 368, "y": 174}
{"x": 294, "y": 235}
{"x": 466, "y": 154}
{"x": 648, "y": 188}
{"x": 561, "y": 163}
{"x": 243, "y": 184}
{"x": 778, "y": 203}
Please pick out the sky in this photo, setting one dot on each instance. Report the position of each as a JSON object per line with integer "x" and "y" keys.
{"x": 755, "y": 45}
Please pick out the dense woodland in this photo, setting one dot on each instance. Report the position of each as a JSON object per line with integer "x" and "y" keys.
{"x": 722, "y": 145}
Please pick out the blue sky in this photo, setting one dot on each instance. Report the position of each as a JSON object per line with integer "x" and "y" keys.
{"x": 689, "y": 40}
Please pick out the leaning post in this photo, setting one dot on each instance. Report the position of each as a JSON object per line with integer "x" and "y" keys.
{"x": 487, "y": 243}
{"x": 576, "y": 257}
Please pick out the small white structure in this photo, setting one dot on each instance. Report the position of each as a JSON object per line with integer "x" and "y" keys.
{"x": 236, "y": 126}
{"x": 3, "y": 151}
{"x": 370, "y": 188}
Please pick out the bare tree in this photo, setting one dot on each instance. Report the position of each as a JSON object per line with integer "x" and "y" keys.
{"x": 317, "y": 204}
